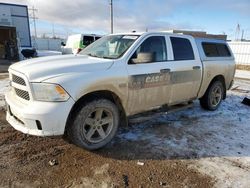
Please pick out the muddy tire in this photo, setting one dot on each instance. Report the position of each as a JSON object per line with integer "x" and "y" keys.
{"x": 94, "y": 124}
{"x": 213, "y": 96}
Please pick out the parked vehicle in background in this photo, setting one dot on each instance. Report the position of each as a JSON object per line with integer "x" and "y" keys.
{"x": 88, "y": 95}
{"x": 77, "y": 42}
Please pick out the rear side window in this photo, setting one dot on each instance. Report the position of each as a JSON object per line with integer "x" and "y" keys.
{"x": 182, "y": 49}
{"x": 215, "y": 49}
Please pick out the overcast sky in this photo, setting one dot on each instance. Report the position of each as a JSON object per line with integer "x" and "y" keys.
{"x": 93, "y": 16}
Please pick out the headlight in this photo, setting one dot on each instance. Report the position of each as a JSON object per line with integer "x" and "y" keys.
{"x": 49, "y": 92}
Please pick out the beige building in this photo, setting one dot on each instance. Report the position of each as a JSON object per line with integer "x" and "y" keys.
{"x": 200, "y": 34}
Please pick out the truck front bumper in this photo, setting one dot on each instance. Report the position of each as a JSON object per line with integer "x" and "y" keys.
{"x": 37, "y": 118}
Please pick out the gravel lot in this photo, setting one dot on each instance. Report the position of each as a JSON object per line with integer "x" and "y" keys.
{"x": 189, "y": 148}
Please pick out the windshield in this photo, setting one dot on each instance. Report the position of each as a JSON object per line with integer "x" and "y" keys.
{"x": 111, "y": 47}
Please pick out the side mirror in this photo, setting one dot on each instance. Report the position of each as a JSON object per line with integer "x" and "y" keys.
{"x": 144, "y": 57}
{"x": 63, "y": 44}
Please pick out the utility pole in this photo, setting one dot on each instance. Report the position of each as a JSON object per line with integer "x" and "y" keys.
{"x": 53, "y": 31}
{"x": 111, "y": 16}
{"x": 242, "y": 35}
{"x": 237, "y": 32}
{"x": 33, "y": 16}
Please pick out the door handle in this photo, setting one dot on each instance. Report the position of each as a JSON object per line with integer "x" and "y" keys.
{"x": 165, "y": 70}
{"x": 196, "y": 67}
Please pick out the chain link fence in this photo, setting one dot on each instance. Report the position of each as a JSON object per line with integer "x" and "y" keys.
{"x": 241, "y": 51}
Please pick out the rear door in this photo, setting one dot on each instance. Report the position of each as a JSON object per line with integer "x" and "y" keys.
{"x": 186, "y": 69}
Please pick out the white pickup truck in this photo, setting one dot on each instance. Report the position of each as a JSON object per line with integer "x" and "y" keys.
{"x": 88, "y": 95}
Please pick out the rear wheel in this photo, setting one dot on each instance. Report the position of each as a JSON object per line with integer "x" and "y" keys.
{"x": 94, "y": 125}
{"x": 213, "y": 96}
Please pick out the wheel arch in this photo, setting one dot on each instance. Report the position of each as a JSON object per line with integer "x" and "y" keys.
{"x": 100, "y": 94}
{"x": 220, "y": 78}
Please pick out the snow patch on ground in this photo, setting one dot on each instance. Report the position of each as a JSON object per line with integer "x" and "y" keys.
{"x": 242, "y": 74}
{"x": 43, "y": 53}
{"x": 228, "y": 171}
{"x": 4, "y": 84}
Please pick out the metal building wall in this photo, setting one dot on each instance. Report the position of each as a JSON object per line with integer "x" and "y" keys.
{"x": 19, "y": 20}
{"x": 241, "y": 51}
{"x": 47, "y": 44}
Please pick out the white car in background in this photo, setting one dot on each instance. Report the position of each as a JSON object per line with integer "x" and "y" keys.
{"x": 77, "y": 42}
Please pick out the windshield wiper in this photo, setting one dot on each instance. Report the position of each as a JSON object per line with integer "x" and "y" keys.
{"x": 108, "y": 57}
{"x": 104, "y": 57}
{"x": 92, "y": 55}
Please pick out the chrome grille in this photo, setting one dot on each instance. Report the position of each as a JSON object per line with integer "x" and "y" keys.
{"x": 20, "y": 87}
{"x": 18, "y": 80}
{"x": 23, "y": 94}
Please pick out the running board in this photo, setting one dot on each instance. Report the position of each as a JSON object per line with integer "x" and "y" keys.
{"x": 145, "y": 116}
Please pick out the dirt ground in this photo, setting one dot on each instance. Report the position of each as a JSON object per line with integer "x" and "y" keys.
{"x": 25, "y": 160}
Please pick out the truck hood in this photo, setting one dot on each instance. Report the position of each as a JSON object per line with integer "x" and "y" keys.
{"x": 40, "y": 69}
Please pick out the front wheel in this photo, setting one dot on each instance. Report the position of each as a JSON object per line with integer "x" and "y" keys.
{"x": 94, "y": 125}
{"x": 213, "y": 96}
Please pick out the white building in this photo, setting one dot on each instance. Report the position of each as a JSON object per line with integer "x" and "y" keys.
{"x": 14, "y": 28}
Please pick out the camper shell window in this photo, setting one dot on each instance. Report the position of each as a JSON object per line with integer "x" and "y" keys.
{"x": 215, "y": 49}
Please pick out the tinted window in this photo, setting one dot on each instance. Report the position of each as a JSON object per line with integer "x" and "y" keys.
{"x": 182, "y": 49}
{"x": 155, "y": 45}
{"x": 87, "y": 40}
{"x": 215, "y": 49}
{"x": 223, "y": 50}
{"x": 210, "y": 49}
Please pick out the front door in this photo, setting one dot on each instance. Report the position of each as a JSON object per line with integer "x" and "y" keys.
{"x": 148, "y": 81}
